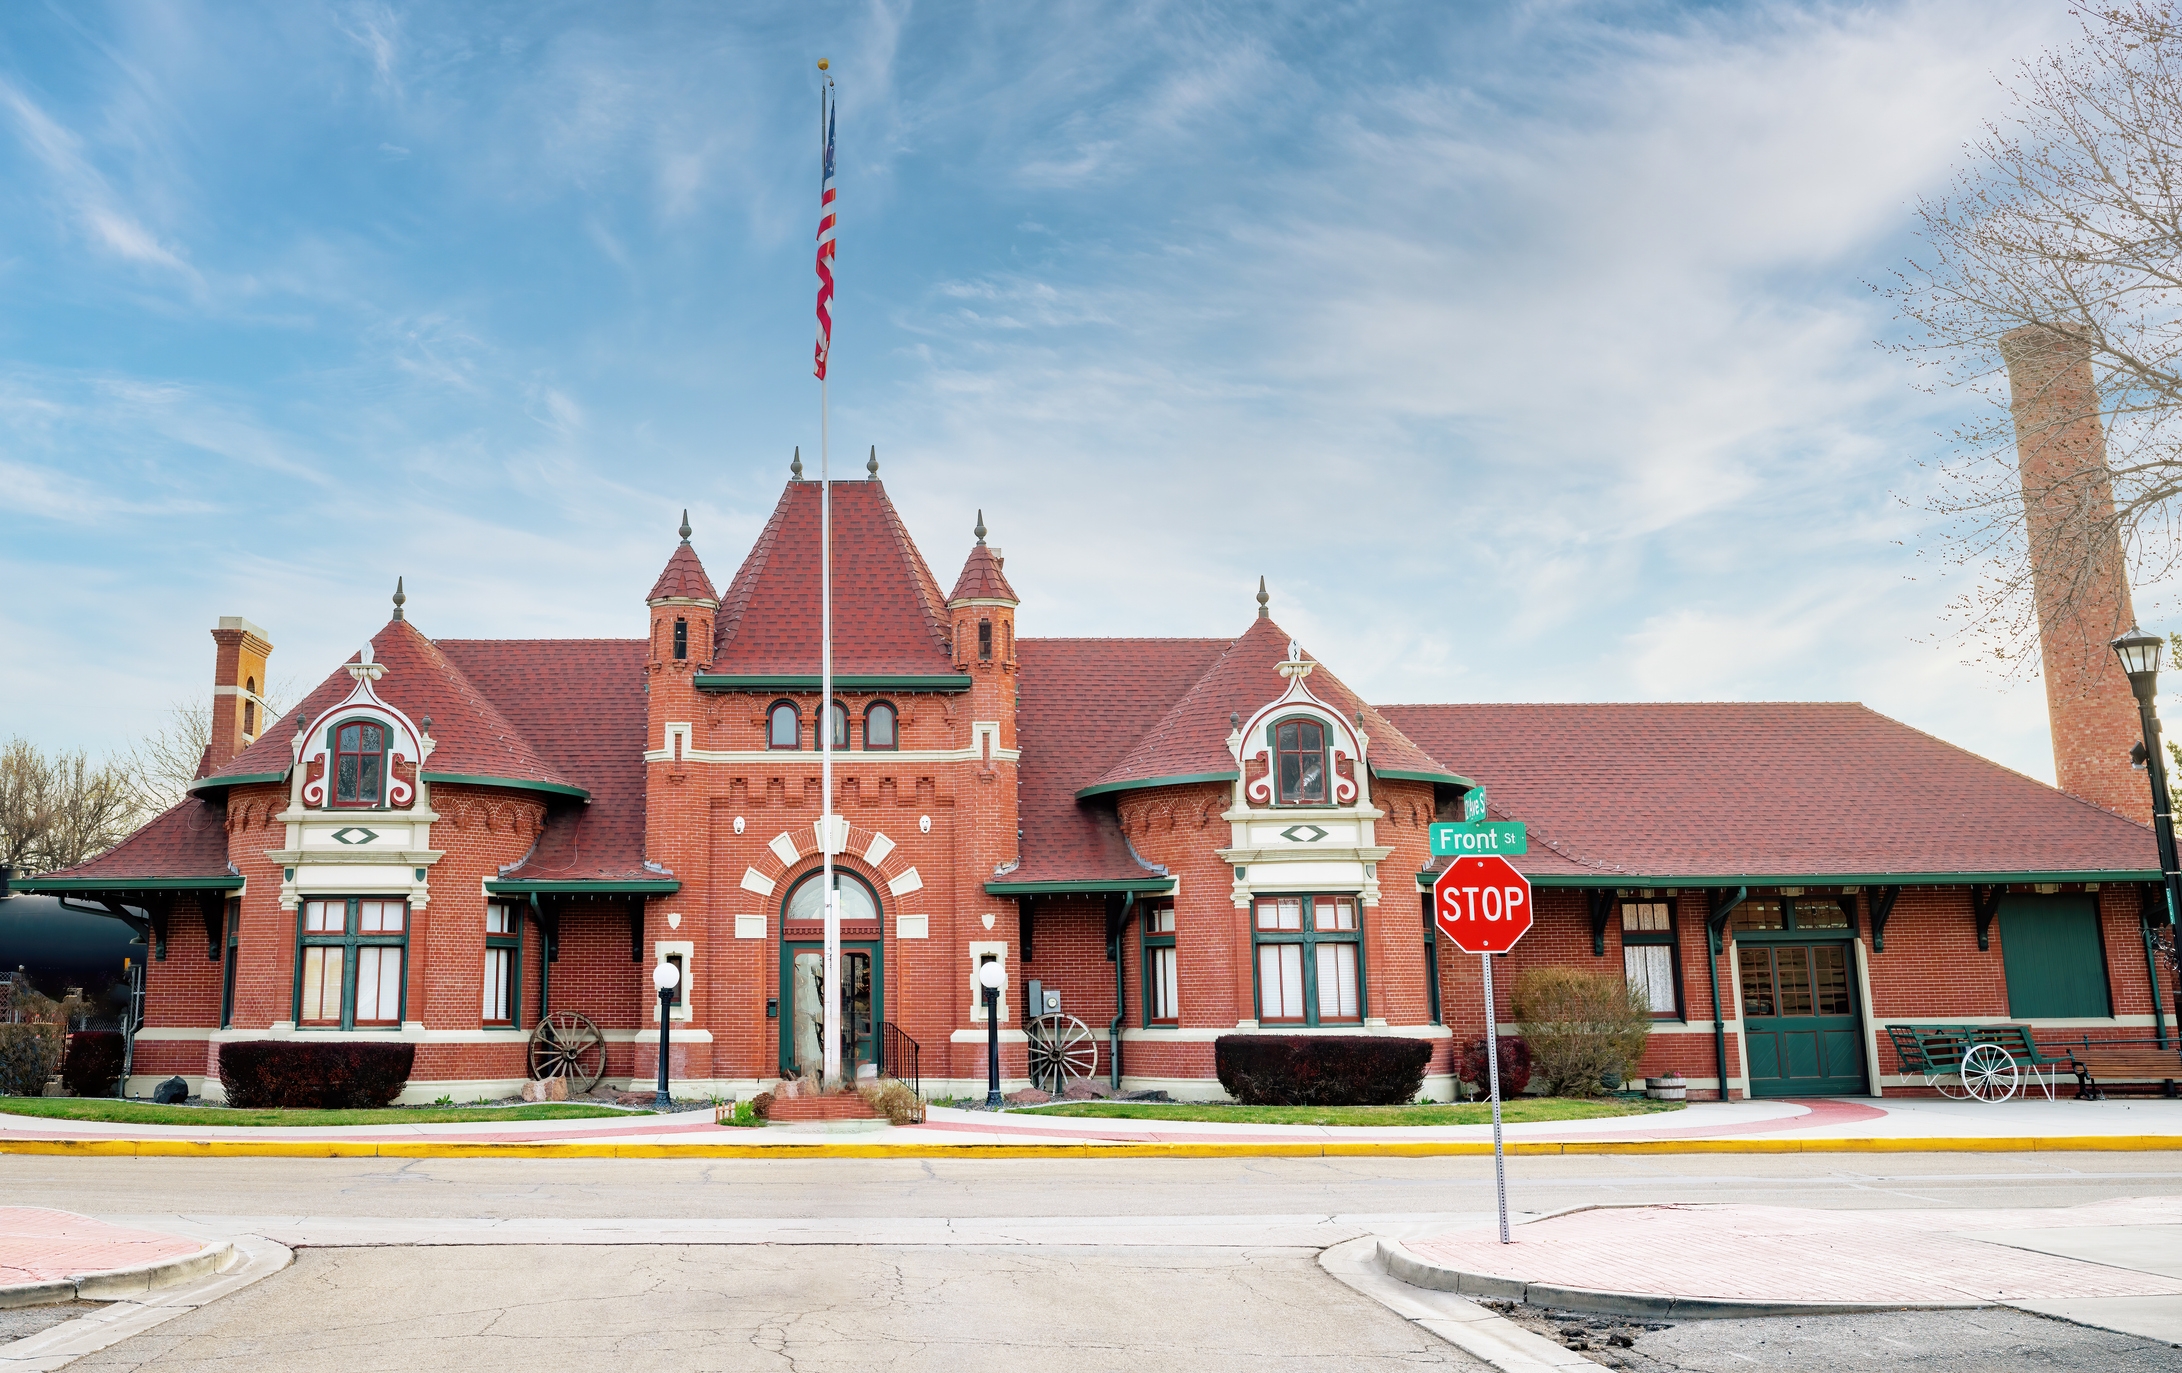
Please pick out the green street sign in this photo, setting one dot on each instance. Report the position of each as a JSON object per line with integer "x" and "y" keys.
{"x": 1475, "y": 840}
{"x": 1473, "y": 804}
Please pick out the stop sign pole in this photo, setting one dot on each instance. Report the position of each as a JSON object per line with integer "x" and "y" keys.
{"x": 1483, "y": 905}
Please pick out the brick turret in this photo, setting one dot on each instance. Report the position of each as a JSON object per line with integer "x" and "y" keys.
{"x": 239, "y": 714}
{"x": 981, "y": 619}
{"x": 2078, "y": 575}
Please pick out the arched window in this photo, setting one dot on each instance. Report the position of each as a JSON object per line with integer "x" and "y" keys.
{"x": 783, "y": 728}
{"x": 681, "y": 638}
{"x": 984, "y": 641}
{"x": 879, "y": 721}
{"x": 857, "y": 900}
{"x": 838, "y": 714}
{"x": 249, "y": 705}
{"x": 1300, "y": 750}
{"x": 359, "y": 763}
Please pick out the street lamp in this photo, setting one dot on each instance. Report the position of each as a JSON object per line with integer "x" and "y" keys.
{"x": 990, "y": 976}
{"x": 666, "y": 977}
{"x": 2140, "y": 653}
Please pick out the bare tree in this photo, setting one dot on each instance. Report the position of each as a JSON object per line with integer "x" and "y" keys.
{"x": 57, "y": 811}
{"x": 164, "y": 762}
{"x": 2062, "y": 233}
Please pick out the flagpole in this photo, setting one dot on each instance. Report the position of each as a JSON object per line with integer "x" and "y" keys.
{"x": 825, "y": 688}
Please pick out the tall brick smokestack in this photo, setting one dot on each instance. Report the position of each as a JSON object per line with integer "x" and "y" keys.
{"x": 2078, "y": 577}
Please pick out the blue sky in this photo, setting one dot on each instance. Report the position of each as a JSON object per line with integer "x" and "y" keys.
{"x": 1525, "y": 349}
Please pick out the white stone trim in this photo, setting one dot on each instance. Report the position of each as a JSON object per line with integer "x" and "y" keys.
{"x": 840, "y": 833}
{"x": 912, "y": 927}
{"x": 755, "y": 881}
{"x": 750, "y": 927}
{"x": 908, "y": 882}
{"x": 876, "y": 851}
{"x": 979, "y": 950}
{"x": 784, "y": 847}
{"x": 661, "y": 949}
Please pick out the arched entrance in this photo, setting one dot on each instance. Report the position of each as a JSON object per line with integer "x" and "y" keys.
{"x": 802, "y": 964}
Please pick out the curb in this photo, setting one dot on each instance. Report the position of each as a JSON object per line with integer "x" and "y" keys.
{"x": 119, "y": 1284}
{"x": 1400, "y": 1262}
{"x": 410, "y": 1149}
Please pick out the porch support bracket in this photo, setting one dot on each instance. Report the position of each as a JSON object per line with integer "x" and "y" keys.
{"x": 1985, "y": 904}
{"x": 1602, "y": 905}
{"x": 1882, "y": 910}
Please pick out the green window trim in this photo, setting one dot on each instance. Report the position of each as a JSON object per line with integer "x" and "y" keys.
{"x": 1669, "y": 938}
{"x": 518, "y": 914}
{"x": 232, "y": 940}
{"x": 350, "y": 941}
{"x": 1309, "y": 938}
{"x": 1146, "y": 943}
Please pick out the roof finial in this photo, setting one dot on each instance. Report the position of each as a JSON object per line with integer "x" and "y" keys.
{"x": 980, "y": 530}
{"x": 1264, "y": 601}
{"x": 685, "y": 526}
{"x": 427, "y": 724}
{"x": 871, "y": 465}
{"x": 795, "y": 467}
{"x": 399, "y": 598}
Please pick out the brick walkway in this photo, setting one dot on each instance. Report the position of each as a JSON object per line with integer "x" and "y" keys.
{"x": 45, "y": 1246}
{"x": 1778, "y": 1253}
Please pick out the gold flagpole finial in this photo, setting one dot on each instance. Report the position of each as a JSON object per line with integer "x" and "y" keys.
{"x": 822, "y": 64}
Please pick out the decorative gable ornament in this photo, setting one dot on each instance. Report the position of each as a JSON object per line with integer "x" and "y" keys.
{"x": 405, "y": 742}
{"x": 1252, "y": 745}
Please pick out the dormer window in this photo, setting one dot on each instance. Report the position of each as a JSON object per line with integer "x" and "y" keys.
{"x": 1299, "y": 750}
{"x": 783, "y": 728}
{"x": 359, "y": 764}
{"x": 879, "y": 727}
{"x": 681, "y": 639}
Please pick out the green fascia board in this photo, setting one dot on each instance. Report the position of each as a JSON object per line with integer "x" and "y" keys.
{"x": 1153, "y": 886}
{"x": 1138, "y": 784}
{"x": 512, "y": 783}
{"x": 1445, "y": 779}
{"x": 1834, "y": 879}
{"x": 63, "y": 885}
{"x": 234, "y": 779}
{"x": 663, "y": 886}
{"x": 773, "y": 681}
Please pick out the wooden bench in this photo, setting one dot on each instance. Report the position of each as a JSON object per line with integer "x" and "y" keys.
{"x": 2099, "y": 1067}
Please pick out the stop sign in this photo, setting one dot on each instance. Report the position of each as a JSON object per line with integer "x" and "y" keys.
{"x": 1483, "y": 904}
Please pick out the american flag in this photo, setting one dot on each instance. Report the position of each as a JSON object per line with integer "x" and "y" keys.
{"x": 825, "y": 257}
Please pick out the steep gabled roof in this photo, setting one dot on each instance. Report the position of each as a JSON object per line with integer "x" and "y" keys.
{"x": 1083, "y": 703}
{"x": 185, "y": 841}
{"x": 1620, "y": 793}
{"x": 683, "y": 578}
{"x": 1190, "y": 741}
{"x": 887, "y": 612}
{"x": 981, "y": 579}
{"x": 473, "y": 737}
{"x": 581, "y": 702}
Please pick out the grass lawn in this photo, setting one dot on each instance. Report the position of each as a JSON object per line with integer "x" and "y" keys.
{"x": 1441, "y": 1113}
{"x": 149, "y": 1113}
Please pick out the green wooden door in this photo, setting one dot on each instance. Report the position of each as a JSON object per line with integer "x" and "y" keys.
{"x": 1800, "y": 1018}
{"x": 2054, "y": 956}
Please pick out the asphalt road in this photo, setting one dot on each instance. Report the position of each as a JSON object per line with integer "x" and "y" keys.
{"x": 960, "y": 1266}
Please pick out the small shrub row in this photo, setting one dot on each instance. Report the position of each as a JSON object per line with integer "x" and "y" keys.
{"x": 1321, "y": 1070}
{"x": 1514, "y": 1066}
{"x": 336, "y": 1075}
{"x": 91, "y": 1064}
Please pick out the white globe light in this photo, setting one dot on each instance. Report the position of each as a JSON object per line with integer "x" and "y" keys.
{"x": 991, "y": 975}
{"x": 665, "y": 976}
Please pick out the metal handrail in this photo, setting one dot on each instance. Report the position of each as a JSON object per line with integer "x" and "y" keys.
{"x": 898, "y": 1055}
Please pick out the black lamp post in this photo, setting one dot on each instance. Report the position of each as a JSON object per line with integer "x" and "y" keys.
{"x": 989, "y": 976}
{"x": 665, "y": 976}
{"x": 2140, "y": 653}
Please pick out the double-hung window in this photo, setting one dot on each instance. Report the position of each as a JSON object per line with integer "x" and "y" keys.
{"x": 879, "y": 726}
{"x": 1162, "y": 999}
{"x": 503, "y": 962}
{"x": 1299, "y": 760}
{"x": 783, "y": 727}
{"x": 1310, "y": 959}
{"x": 1648, "y": 955}
{"x": 359, "y": 763}
{"x": 351, "y": 962}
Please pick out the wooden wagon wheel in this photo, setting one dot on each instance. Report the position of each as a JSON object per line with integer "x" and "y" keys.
{"x": 568, "y": 1045}
{"x": 1988, "y": 1072}
{"x": 1061, "y": 1050}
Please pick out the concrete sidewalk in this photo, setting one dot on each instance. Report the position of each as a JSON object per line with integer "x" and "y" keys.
{"x": 2113, "y": 1264}
{"x": 1780, "y": 1126}
{"x": 56, "y": 1256}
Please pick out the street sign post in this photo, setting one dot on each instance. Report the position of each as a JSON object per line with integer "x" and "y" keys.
{"x": 1483, "y": 905}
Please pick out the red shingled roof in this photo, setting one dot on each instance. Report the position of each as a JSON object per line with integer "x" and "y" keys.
{"x": 887, "y": 612}
{"x": 581, "y": 702}
{"x": 1083, "y": 703}
{"x": 1762, "y": 789}
{"x": 474, "y": 738}
{"x": 981, "y": 579}
{"x": 189, "y": 840}
{"x": 683, "y": 578}
{"x": 1191, "y": 740}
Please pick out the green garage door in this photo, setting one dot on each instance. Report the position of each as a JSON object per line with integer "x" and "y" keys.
{"x": 2054, "y": 955}
{"x": 1800, "y": 1019}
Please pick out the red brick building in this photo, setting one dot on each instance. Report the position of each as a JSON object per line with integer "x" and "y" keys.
{"x": 449, "y": 840}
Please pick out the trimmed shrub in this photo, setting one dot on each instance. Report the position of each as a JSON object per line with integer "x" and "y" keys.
{"x": 1315, "y": 1070}
{"x": 891, "y": 1098}
{"x": 1514, "y": 1066}
{"x": 1582, "y": 1026}
{"x": 91, "y": 1063}
{"x": 761, "y": 1105}
{"x": 329, "y": 1074}
{"x": 29, "y": 1055}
